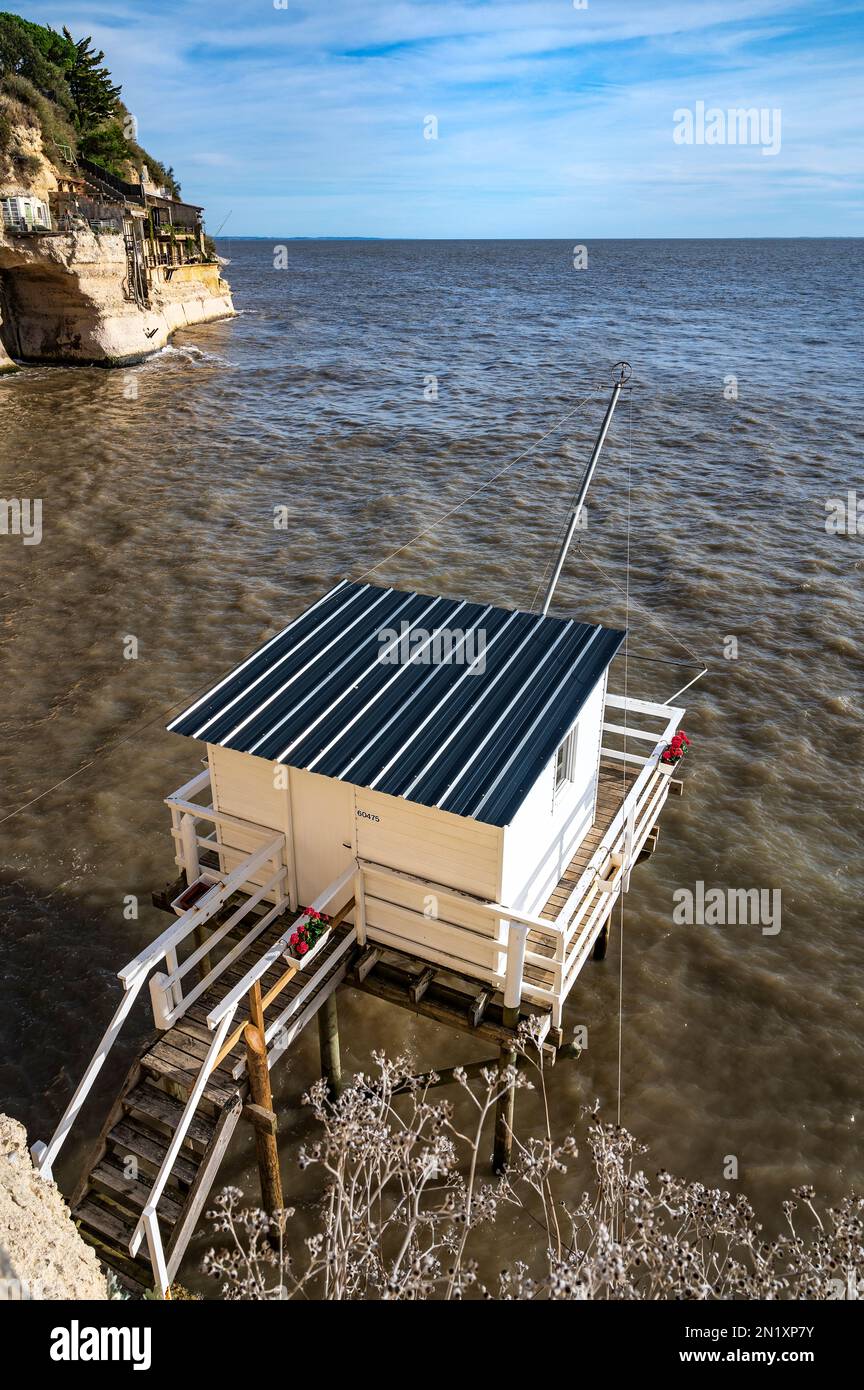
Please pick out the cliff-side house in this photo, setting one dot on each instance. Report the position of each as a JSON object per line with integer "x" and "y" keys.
{"x": 163, "y": 274}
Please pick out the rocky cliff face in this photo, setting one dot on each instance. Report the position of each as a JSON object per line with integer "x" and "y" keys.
{"x": 65, "y": 297}
{"x": 41, "y": 1253}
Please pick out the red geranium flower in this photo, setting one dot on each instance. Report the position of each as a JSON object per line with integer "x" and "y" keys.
{"x": 294, "y": 939}
{"x": 302, "y": 948}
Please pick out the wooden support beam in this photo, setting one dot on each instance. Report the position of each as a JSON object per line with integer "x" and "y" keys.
{"x": 444, "y": 1004}
{"x": 676, "y": 786}
{"x": 418, "y": 987}
{"x": 504, "y": 1109}
{"x": 366, "y": 963}
{"x": 328, "y": 1041}
{"x": 265, "y": 1143}
{"x": 165, "y": 898}
{"x": 478, "y": 1007}
{"x": 259, "y": 1118}
{"x": 650, "y": 844}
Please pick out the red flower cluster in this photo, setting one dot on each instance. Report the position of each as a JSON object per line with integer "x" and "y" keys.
{"x": 312, "y": 927}
{"x": 675, "y": 751}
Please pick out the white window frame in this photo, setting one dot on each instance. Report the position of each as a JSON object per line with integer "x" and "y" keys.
{"x": 565, "y": 760}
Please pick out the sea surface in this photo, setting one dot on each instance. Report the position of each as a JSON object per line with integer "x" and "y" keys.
{"x": 369, "y": 387}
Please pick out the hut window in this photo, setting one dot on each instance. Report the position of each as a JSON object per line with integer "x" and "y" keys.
{"x": 565, "y": 759}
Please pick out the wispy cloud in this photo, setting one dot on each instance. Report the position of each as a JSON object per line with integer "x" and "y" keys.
{"x": 552, "y": 120}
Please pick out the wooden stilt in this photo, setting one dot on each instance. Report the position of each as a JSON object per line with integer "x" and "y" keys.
{"x": 328, "y": 1040}
{"x": 602, "y": 943}
{"x": 504, "y": 1115}
{"x": 265, "y": 1143}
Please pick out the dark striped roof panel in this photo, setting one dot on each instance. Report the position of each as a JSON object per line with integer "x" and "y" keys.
{"x": 467, "y": 738}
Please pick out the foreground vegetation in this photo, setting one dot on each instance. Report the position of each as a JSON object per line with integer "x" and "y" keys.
{"x": 403, "y": 1200}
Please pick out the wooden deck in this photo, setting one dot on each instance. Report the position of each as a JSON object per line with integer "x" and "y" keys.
{"x": 613, "y": 785}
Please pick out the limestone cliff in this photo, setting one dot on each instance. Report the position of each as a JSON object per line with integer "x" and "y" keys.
{"x": 117, "y": 262}
{"x": 64, "y": 299}
{"x": 41, "y": 1253}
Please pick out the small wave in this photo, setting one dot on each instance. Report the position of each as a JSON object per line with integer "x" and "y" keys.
{"x": 186, "y": 352}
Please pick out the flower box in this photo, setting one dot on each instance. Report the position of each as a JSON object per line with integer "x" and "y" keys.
{"x": 195, "y": 893}
{"x": 674, "y": 751}
{"x": 309, "y": 931}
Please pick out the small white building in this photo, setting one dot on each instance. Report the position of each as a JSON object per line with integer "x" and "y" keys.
{"x": 24, "y": 212}
{"x": 453, "y": 753}
{"x": 453, "y": 785}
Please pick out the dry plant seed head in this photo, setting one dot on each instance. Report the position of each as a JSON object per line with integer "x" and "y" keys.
{"x": 400, "y": 1200}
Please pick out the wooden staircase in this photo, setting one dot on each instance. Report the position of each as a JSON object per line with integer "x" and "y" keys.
{"x": 134, "y": 1141}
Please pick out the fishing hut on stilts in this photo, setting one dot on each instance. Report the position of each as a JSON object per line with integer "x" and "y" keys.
{"x": 451, "y": 786}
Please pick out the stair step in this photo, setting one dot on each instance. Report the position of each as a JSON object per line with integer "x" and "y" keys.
{"x": 108, "y": 1221}
{"x": 126, "y": 1138}
{"x": 110, "y": 1235}
{"x": 163, "y": 1113}
{"x": 167, "y": 1062}
{"x": 133, "y": 1192}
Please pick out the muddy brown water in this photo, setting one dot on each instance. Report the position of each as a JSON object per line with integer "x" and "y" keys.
{"x": 159, "y": 486}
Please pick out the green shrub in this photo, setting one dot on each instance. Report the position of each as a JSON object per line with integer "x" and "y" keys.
{"x": 107, "y": 146}
{"x": 37, "y": 54}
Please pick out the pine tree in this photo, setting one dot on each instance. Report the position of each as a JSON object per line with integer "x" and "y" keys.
{"x": 94, "y": 94}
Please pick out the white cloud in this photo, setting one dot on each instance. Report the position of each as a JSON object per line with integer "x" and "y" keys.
{"x": 550, "y": 118}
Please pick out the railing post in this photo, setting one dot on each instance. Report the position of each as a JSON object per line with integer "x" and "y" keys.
{"x": 360, "y": 907}
{"x": 629, "y": 834}
{"x": 157, "y": 1254}
{"x": 177, "y": 987}
{"x": 189, "y": 845}
{"x": 516, "y": 946}
{"x": 176, "y": 839}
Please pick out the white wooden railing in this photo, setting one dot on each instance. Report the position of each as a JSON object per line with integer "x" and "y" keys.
{"x": 168, "y": 997}
{"x": 505, "y": 943}
{"x": 219, "y": 1021}
{"x": 607, "y": 874}
{"x": 508, "y": 941}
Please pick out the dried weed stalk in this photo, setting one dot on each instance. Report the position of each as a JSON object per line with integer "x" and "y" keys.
{"x": 404, "y": 1195}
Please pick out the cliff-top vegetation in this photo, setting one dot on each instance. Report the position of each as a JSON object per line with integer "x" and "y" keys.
{"x": 60, "y": 86}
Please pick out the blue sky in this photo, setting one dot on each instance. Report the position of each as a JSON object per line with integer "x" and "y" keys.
{"x": 553, "y": 120}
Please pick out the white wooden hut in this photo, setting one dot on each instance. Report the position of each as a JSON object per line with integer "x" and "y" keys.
{"x": 453, "y": 783}
{"x": 447, "y": 754}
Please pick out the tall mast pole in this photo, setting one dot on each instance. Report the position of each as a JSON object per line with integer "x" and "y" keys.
{"x": 624, "y": 373}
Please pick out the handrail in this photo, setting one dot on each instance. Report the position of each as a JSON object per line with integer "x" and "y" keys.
{"x": 188, "y": 789}
{"x": 270, "y": 957}
{"x": 132, "y": 977}
{"x": 519, "y": 924}
{"x": 200, "y": 912}
{"x": 148, "y": 1224}
{"x": 219, "y": 1021}
{"x": 44, "y": 1154}
{"x": 443, "y": 890}
{"x": 673, "y": 716}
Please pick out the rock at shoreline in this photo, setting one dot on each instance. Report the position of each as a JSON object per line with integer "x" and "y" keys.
{"x": 42, "y": 1256}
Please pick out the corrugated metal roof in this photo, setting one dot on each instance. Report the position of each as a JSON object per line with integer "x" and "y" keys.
{"x": 334, "y": 693}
